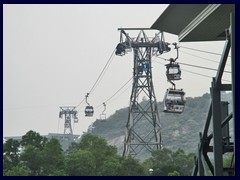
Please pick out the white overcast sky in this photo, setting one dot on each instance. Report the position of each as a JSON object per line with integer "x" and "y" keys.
{"x": 53, "y": 54}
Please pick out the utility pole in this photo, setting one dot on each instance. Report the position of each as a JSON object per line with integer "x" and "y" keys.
{"x": 138, "y": 137}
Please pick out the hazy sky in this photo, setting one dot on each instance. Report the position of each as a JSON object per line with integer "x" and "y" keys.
{"x": 53, "y": 54}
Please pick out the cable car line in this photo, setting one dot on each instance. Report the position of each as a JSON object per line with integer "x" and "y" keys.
{"x": 202, "y": 57}
{"x": 193, "y": 72}
{"x": 101, "y": 75}
{"x": 202, "y": 51}
{"x": 119, "y": 90}
{"x": 202, "y": 67}
{"x": 89, "y": 110}
{"x": 80, "y": 103}
{"x": 115, "y": 93}
{"x": 105, "y": 67}
{"x": 203, "y": 75}
{"x": 173, "y": 75}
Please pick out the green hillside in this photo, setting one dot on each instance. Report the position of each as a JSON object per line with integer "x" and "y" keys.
{"x": 178, "y": 130}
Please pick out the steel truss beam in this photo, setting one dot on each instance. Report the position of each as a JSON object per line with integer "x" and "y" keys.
{"x": 220, "y": 121}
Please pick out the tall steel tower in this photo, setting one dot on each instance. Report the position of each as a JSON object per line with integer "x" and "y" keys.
{"x": 70, "y": 114}
{"x": 137, "y": 136}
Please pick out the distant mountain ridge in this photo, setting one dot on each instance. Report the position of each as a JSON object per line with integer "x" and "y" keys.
{"x": 178, "y": 130}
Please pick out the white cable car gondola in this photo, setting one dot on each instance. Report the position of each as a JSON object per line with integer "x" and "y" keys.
{"x": 89, "y": 109}
{"x": 174, "y": 101}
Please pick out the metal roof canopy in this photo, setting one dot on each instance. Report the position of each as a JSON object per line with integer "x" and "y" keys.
{"x": 196, "y": 22}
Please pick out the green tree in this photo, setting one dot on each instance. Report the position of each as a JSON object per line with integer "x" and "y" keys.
{"x": 31, "y": 157}
{"x": 174, "y": 173}
{"x": 98, "y": 147}
{"x": 80, "y": 163}
{"x": 111, "y": 167}
{"x": 165, "y": 162}
{"x": 10, "y": 154}
{"x": 18, "y": 170}
{"x": 228, "y": 162}
{"x": 183, "y": 161}
{"x": 58, "y": 173}
{"x": 33, "y": 138}
{"x": 132, "y": 167}
{"x": 52, "y": 157}
{"x": 93, "y": 156}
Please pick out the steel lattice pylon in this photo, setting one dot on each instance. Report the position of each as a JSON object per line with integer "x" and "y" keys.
{"x": 138, "y": 137}
{"x": 70, "y": 114}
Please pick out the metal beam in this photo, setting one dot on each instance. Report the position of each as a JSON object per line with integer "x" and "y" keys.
{"x": 197, "y": 20}
{"x": 224, "y": 122}
{"x": 210, "y": 166}
{"x": 232, "y": 37}
{"x": 217, "y": 132}
{"x": 226, "y": 87}
{"x": 223, "y": 60}
{"x": 136, "y": 29}
{"x": 200, "y": 164}
{"x": 195, "y": 168}
{"x": 207, "y": 124}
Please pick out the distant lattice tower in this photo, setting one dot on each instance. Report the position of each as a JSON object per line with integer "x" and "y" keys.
{"x": 69, "y": 113}
{"x": 137, "y": 137}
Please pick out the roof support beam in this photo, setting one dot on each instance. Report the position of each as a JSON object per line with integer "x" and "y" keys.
{"x": 217, "y": 133}
{"x": 197, "y": 20}
{"x": 223, "y": 60}
{"x": 233, "y": 51}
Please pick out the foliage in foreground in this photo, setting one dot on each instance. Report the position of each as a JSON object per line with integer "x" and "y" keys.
{"x": 92, "y": 156}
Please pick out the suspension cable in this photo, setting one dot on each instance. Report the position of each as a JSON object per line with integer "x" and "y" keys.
{"x": 80, "y": 102}
{"x": 202, "y": 51}
{"x": 115, "y": 93}
{"x": 119, "y": 90}
{"x": 193, "y": 72}
{"x": 202, "y": 57}
{"x": 100, "y": 76}
{"x": 202, "y": 67}
{"x": 105, "y": 67}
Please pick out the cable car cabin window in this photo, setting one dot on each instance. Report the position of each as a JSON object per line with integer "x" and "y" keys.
{"x": 173, "y": 70}
{"x": 89, "y": 111}
{"x": 174, "y": 101}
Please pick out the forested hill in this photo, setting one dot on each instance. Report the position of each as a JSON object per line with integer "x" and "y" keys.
{"x": 178, "y": 130}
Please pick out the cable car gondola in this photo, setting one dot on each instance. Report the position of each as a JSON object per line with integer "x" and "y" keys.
{"x": 103, "y": 114}
{"x": 120, "y": 50}
{"x": 89, "y": 109}
{"x": 174, "y": 101}
{"x": 173, "y": 71}
{"x": 75, "y": 116}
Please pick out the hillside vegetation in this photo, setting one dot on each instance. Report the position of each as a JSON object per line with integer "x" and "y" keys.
{"x": 178, "y": 130}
